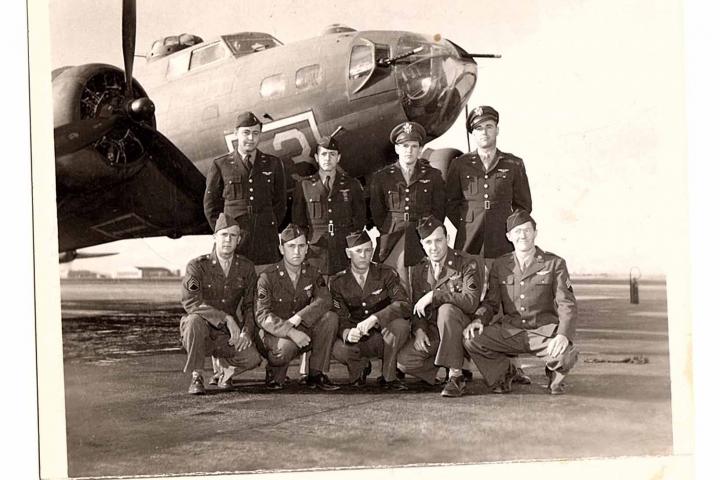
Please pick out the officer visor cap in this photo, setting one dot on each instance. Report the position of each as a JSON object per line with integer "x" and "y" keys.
{"x": 479, "y": 115}
{"x": 427, "y": 225}
{"x": 518, "y": 217}
{"x": 328, "y": 143}
{"x": 225, "y": 221}
{"x": 246, "y": 119}
{"x": 291, "y": 232}
{"x": 356, "y": 239}
{"x": 407, "y": 132}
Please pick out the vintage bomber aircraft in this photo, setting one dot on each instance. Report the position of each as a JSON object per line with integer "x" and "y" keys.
{"x": 118, "y": 177}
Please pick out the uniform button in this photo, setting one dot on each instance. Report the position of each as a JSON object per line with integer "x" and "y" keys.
{"x": 522, "y": 283}
{"x": 407, "y": 199}
{"x": 364, "y": 304}
{"x": 407, "y": 208}
{"x": 407, "y": 190}
{"x": 523, "y": 321}
{"x": 329, "y": 210}
{"x": 250, "y": 180}
{"x": 366, "y": 312}
{"x": 522, "y": 296}
{"x": 486, "y": 176}
{"x": 486, "y": 195}
{"x": 223, "y": 300}
{"x": 251, "y": 189}
{"x": 329, "y": 200}
{"x": 280, "y": 300}
{"x": 486, "y": 185}
{"x": 522, "y": 309}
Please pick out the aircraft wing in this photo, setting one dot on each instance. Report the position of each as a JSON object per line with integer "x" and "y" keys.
{"x": 157, "y": 193}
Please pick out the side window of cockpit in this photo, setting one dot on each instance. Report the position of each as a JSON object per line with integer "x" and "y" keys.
{"x": 203, "y": 56}
{"x": 273, "y": 86}
{"x": 308, "y": 77}
{"x": 361, "y": 61}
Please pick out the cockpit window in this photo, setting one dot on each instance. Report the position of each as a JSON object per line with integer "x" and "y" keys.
{"x": 203, "y": 56}
{"x": 308, "y": 77}
{"x": 250, "y": 42}
{"x": 362, "y": 62}
{"x": 273, "y": 86}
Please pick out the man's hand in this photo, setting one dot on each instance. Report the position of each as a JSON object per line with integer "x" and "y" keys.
{"x": 244, "y": 341}
{"x": 557, "y": 345}
{"x": 300, "y": 338}
{"x": 422, "y": 342}
{"x": 422, "y": 304}
{"x": 234, "y": 329}
{"x": 475, "y": 328}
{"x": 366, "y": 325}
{"x": 354, "y": 335}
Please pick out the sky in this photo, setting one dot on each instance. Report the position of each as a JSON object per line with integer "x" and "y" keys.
{"x": 590, "y": 95}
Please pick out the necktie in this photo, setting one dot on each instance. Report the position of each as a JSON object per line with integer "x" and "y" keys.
{"x": 246, "y": 162}
{"x": 436, "y": 271}
{"x": 361, "y": 279}
{"x": 326, "y": 184}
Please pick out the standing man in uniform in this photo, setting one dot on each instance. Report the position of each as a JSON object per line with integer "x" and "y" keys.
{"x": 446, "y": 290}
{"x": 402, "y": 193}
{"x": 293, "y": 310}
{"x": 483, "y": 188}
{"x": 373, "y": 308}
{"x": 217, "y": 294}
{"x": 330, "y": 205}
{"x": 249, "y": 186}
{"x": 533, "y": 287}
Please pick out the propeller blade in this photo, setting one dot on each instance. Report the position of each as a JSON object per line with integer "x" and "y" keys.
{"x": 71, "y": 137}
{"x": 128, "y": 42}
{"x": 172, "y": 162}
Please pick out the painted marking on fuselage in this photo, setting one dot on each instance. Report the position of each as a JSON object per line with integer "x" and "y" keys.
{"x": 304, "y": 124}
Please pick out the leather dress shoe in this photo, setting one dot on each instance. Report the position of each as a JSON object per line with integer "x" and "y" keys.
{"x": 321, "y": 381}
{"x": 361, "y": 381}
{"x": 215, "y": 379}
{"x": 273, "y": 385}
{"x": 196, "y": 385}
{"x": 556, "y": 385}
{"x": 397, "y": 385}
{"x": 504, "y": 385}
{"x": 225, "y": 383}
{"x": 454, "y": 387}
{"x": 521, "y": 378}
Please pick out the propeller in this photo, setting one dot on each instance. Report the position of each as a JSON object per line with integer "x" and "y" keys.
{"x": 76, "y": 135}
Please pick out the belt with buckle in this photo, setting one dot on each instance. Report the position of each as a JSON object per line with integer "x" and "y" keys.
{"x": 331, "y": 228}
{"x": 487, "y": 204}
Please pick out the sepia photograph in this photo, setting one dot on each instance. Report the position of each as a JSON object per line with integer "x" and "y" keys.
{"x": 410, "y": 239}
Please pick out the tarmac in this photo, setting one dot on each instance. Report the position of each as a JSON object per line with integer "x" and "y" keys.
{"x": 128, "y": 413}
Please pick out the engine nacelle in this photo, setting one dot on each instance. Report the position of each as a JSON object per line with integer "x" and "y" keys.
{"x": 96, "y": 91}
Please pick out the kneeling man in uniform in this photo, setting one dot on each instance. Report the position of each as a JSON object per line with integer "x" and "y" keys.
{"x": 533, "y": 287}
{"x": 373, "y": 308}
{"x": 446, "y": 289}
{"x": 217, "y": 294}
{"x": 293, "y": 310}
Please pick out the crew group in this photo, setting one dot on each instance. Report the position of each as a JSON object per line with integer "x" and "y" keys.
{"x": 413, "y": 301}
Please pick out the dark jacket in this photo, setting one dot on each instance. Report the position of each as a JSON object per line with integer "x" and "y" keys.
{"x": 480, "y": 201}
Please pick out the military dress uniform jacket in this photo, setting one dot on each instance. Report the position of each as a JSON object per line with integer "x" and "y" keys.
{"x": 207, "y": 292}
{"x": 397, "y": 205}
{"x": 330, "y": 216}
{"x": 540, "y": 299}
{"x": 460, "y": 284}
{"x": 480, "y": 201}
{"x": 382, "y": 296}
{"x": 278, "y": 299}
{"x": 255, "y": 197}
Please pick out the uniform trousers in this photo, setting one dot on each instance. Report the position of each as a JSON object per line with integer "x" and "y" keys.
{"x": 446, "y": 345}
{"x": 396, "y": 260}
{"x": 385, "y": 344}
{"x": 490, "y": 350}
{"x": 201, "y": 340}
{"x": 279, "y": 351}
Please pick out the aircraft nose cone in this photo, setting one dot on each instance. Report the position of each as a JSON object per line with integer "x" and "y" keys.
{"x": 142, "y": 108}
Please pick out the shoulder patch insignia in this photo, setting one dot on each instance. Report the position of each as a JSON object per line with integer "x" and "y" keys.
{"x": 193, "y": 284}
{"x": 336, "y": 304}
{"x": 262, "y": 293}
{"x": 568, "y": 285}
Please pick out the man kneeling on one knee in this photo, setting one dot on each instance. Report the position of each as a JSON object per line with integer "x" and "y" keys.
{"x": 373, "y": 308}
{"x": 446, "y": 289}
{"x": 533, "y": 287}
{"x": 293, "y": 309}
{"x": 217, "y": 294}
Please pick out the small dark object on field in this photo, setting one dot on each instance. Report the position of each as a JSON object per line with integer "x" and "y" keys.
{"x": 637, "y": 359}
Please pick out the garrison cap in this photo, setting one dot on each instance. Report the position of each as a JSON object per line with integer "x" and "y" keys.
{"x": 247, "y": 119}
{"x": 518, "y": 217}
{"x": 225, "y": 221}
{"x": 357, "y": 238}
{"x": 291, "y": 232}
{"x": 406, "y": 132}
{"x": 427, "y": 225}
{"x": 480, "y": 114}
{"x": 328, "y": 143}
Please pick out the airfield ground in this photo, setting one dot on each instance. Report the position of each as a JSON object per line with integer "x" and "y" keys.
{"x": 127, "y": 411}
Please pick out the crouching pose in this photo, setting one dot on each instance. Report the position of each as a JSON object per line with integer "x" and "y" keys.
{"x": 533, "y": 287}
{"x": 217, "y": 294}
{"x": 293, "y": 310}
{"x": 446, "y": 289}
{"x": 373, "y": 308}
